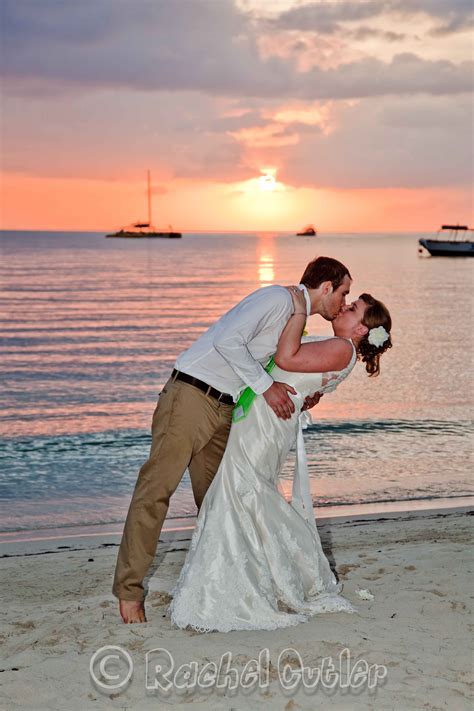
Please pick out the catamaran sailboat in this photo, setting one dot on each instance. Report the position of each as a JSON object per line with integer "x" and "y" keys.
{"x": 145, "y": 230}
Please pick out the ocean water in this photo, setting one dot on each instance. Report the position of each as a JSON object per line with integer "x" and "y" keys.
{"x": 90, "y": 329}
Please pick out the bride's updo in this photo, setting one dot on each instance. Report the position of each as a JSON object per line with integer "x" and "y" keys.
{"x": 376, "y": 315}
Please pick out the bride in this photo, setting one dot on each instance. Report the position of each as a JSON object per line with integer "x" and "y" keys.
{"x": 255, "y": 561}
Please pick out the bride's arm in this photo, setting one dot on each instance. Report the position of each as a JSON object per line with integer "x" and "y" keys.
{"x": 317, "y": 357}
{"x": 290, "y": 339}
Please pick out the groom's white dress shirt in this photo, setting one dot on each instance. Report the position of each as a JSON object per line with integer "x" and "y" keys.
{"x": 231, "y": 354}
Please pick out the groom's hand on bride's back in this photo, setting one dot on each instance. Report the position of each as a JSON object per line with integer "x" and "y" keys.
{"x": 278, "y": 399}
{"x": 311, "y": 401}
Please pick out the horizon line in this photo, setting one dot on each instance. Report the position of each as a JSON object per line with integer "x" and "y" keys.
{"x": 232, "y": 231}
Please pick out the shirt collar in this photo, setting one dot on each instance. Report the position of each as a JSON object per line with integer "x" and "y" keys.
{"x": 306, "y": 298}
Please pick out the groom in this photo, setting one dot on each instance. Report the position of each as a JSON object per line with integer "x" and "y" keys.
{"x": 192, "y": 419}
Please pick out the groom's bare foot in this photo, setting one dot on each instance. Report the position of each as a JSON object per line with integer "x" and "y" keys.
{"x": 132, "y": 611}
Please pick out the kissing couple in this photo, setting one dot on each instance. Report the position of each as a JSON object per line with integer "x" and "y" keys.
{"x": 230, "y": 413}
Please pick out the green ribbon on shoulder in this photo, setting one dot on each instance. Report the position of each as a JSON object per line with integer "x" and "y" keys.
{"x": 247, "y": 396}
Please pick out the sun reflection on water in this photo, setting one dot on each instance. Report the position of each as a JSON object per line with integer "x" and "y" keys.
{"x": 266, "y": 259}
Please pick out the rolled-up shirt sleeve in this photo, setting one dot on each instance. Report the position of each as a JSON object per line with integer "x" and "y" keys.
{"x": 259, "y": 311}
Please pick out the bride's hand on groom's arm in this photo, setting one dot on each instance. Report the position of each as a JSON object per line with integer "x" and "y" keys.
{"x": 277, "y": 398}
{"x": 311, "y": 401}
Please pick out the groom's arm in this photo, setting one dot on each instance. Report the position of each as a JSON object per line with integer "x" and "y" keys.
{"x": 256, "y": 313}
{"x": 264, "y": 309}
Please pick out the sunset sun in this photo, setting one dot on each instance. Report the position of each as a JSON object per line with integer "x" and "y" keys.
{"x": 267, "y": 182}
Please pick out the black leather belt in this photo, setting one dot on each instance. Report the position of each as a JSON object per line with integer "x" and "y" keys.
{"x": 221, "y": 397}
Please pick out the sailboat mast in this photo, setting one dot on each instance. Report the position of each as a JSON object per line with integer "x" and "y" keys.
{"x": 149, "y": 198}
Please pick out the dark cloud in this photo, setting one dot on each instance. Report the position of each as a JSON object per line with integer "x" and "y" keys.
{"x": 387, "y": 143}
{"x": 206, "y": 46}
{"x": 330, "y": 17}
{"x": 325, "y": 17}
{"x": 147, "y": 44}
{"x": 405, "y": 74}
{"x": 453, "y": 15}
{"x": 362, "y": 33}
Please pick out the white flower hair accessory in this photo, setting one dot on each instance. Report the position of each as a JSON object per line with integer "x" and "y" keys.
{"x": 378, "y": 336}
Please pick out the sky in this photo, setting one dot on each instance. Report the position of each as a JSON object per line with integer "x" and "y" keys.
{"x": 250, "y": 114}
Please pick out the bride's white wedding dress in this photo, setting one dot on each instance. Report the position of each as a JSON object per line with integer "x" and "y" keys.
{"x": 255, "y": 560}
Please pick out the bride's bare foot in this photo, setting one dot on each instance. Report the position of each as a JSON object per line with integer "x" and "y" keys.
{"x": 132, "y": 611}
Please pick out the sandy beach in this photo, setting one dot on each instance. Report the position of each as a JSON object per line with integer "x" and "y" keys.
{"x": 410, "y": 643}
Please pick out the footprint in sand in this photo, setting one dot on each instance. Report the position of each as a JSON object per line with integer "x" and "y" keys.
{"x": 160, "y": 598}
{"x": 346, "y": 568}
{"x": 25, "y": 625}
{"x": 459, "y": 606}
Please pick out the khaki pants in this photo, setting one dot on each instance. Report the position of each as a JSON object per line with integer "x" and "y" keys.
{"x": 189, "y": 429}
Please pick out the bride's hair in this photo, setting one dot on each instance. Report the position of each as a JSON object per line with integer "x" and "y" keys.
{"x": 376, "y": 314}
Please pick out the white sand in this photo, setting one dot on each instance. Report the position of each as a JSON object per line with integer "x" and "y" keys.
{"x": 57, "y": 610}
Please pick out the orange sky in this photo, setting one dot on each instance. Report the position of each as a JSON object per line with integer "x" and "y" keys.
{"x": 361, "y": 112}
{"x": 88, "y": 205}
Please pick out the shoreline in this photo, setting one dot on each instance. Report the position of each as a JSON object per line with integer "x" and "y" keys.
{"x": 179, "y": 530}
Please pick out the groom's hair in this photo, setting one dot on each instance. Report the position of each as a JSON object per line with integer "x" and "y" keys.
{"x": 324, "y": 269}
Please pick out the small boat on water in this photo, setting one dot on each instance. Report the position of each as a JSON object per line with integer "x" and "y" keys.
{"x": 307, "y": 231}
{"x": 145, "y": 230}
{"x": 447, "y": 244}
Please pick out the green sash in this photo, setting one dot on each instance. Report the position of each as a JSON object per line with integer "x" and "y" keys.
{"x": 247, "y": 396}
